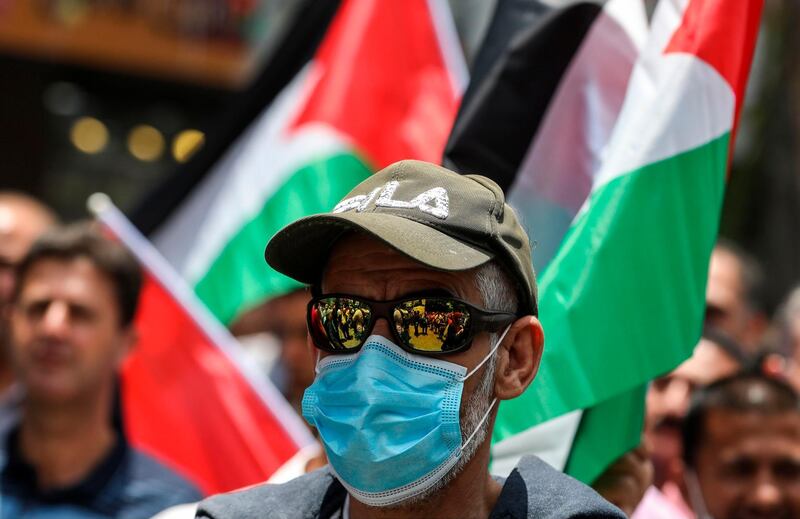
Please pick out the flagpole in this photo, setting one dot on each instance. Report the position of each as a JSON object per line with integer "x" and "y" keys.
{"x": 446, "y": 33}
{"x": 101, "y": 206}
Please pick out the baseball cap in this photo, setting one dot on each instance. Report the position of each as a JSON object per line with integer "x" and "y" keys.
{"x": 435, "y": 216}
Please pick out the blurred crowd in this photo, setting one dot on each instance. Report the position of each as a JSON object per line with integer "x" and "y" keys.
{"x": 721, "y": 434}
{"x": 723, "y": 429}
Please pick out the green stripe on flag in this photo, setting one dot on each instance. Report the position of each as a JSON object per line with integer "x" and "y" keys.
{"x": 606, "y": 430}
{"x": 239, "y": 277}
{"x": 623, "y": 300}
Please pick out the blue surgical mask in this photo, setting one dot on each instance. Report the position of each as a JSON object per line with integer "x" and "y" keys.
{"x": 389, "y": 419}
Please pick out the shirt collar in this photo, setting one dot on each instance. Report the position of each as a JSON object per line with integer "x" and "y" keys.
{"x": 22, "y": 475}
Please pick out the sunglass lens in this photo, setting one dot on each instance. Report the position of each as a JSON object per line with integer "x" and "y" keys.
{"x": 432, "y": 324}
{"x": 340, "y": 322}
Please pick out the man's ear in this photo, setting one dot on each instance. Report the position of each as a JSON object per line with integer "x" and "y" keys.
{"x": 519, "y": 357}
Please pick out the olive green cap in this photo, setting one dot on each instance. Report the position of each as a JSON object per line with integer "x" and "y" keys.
{"x": 439, "y": 218}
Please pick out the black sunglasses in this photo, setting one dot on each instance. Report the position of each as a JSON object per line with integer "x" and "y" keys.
{"x": 427, "y": 325}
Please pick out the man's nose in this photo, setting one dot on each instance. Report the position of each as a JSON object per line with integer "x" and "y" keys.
{"x": 766, "y": 496}
{"x": 55, "y": 319}
{"x": 676, "y": 398}
{"x": 382, "y": 328}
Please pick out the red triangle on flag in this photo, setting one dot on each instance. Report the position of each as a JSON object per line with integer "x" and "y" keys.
{"x": 389, "y": 76}
{"x": 189, "y": 395}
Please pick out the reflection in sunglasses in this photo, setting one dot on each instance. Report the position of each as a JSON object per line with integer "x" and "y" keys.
{"x": 432, "y": 325}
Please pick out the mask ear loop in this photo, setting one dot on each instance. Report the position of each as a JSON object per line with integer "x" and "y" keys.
{"x": 489, "y": 356}
{"x": 478, "y": 427}
{"x": 316, "y": 365}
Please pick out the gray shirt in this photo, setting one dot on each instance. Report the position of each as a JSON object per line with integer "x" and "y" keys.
{"x": 532, "y": 490}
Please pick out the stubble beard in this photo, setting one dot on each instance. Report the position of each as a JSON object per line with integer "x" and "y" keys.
{"x": 474, "y": 410}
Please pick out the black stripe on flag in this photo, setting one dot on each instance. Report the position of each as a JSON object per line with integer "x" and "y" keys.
{"x": 526, "y": 51}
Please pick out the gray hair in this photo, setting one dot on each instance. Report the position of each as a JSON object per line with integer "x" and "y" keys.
{"x": 497, "y": 291}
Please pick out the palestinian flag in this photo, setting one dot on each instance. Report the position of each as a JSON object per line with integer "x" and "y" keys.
{"x": 189, "y": 396}
{"x": 636, "y": 187}
{"x": 384, "y": 85}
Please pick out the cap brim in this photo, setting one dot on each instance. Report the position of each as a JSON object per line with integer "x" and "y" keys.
{"x": 301, "y": 249}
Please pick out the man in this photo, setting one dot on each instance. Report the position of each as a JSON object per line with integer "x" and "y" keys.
{"x": 22, "y": 220}
{"x": 733, "y": 296}
{"x": 291, "y": 368}
{"x": 716, "y": 356}
{"x": 71, "y": 328}
{"x": 742, "y": 439}
{"x": 406, "y": 425}
{"x": 668, "y": 397}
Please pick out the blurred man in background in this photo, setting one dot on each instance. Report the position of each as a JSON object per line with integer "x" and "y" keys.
{"x": 22, "y": 220}
{"x": 286, "y": 360}
{"x": 275, "y": 334}
{"x": 733, "y": 296}
{"x": 71, "y": 324}
{"x": 742, "y": 438}
{"x": 716, "y": 356}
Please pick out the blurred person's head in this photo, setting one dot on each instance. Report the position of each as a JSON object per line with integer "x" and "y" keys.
{"x": 716, "y": 356}
{"x": 289, "y": 326}
{"x": 733, "y": 295}
{"x": 742, "y": 449}
{"x": 284, "y": 317}
{"x": 72, "y": 315}
{"x": 22, "y": 220}
{"x": 788, "y": 331}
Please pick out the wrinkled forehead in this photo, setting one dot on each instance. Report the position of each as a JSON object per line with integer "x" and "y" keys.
{"x": 359, "y": 262}
{"x": 357, "y": 248}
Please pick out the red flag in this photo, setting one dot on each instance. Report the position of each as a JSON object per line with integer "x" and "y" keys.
{"x": 189, "y": 396}
{"x": 390, "y": 77}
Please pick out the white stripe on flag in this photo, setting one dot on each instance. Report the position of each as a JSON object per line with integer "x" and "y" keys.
{"x": 642, "y": 137}
{"x": 551, "y": 441}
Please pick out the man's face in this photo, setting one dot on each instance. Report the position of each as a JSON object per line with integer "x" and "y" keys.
{"x": 668, "y": 402}
{"x": 67, "y": 340}
{"x": 287, "y": 321}
{"x": 726, "y": 307}
{"x": 362, "y": 266}
{"x": 748, "y": 465}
